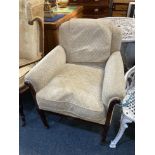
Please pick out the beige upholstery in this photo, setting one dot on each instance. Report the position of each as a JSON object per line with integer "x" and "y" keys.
{"x": 23, "y": 62}
{"x": 34, "y": 8}
{"x": 114, "y": 81}
{"x": 116, "y": 38}
{"x": 22, "y": 72}
{"x": 29, "y": 35}
{"x": 93, "y": 44}
{"x": 76, "y": 90}
{"x": 86, "y": 45}
{"x": 83, "y": 74}
{"x": 47, "y": 68}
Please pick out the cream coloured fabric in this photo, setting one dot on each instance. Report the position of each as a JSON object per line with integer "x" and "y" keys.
{"x": 114, "y": 81}
{"x": 84, "y": 87}
{"x": 28, "y": 36}
{"x": 23, "y": 62}
{"x": 29, "y": 44}
{"x": 34, "y": 8}
{"x": 47, "y": 68}
{"x": 116, "y": 39}
{"x": 21, "y": 82}
{"x": 75, "y": 91}
{"x": 91, "y": 64}
{"x": 86, "y": 40}
{"x": 22, "y": 72}
{"x": 116, "y": 34}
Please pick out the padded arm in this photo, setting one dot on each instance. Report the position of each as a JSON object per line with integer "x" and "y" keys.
{"x": 46, "y": 69}
{"x": 114, "y": 81}
{"x": 116, "y": 39}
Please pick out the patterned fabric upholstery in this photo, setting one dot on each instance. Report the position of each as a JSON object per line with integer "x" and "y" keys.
{"x": 47, "y": 68}
{"x": 114, "y": 81}
{"x": 86, "y": 40}
{"x": 75, "y": 91}
{"x": 116, "y": 35}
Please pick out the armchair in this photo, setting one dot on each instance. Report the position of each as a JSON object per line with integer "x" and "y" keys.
{"x": 83, "y": 77}
{"x": 30, "y": 34}
{"x": 30, "y": 39}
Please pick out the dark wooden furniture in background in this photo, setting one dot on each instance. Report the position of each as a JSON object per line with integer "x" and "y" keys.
{"x": 93, "y": 8}
{"x": 51, "y": 29}
{"x": 120, "y": 7}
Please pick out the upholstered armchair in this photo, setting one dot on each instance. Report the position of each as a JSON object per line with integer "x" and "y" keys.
{"x": 83, "y": 77}
{"x": 30, "y": 35}
{"x": 30, "y": 39}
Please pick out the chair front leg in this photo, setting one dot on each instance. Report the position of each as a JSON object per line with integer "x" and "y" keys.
{"x": 108, "y": 119}
{"x": 40, "y": 112}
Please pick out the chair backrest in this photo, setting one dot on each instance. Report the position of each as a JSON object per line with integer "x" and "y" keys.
{"x": 88, "y": 40}
{"x": 30, "y": 32}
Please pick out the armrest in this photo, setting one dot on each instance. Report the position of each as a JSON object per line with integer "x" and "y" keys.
{"x": 114, "y": 81}
{"x": 46, "y": 69}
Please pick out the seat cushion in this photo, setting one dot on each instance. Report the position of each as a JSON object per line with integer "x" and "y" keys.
{"x": 75, "y": 91}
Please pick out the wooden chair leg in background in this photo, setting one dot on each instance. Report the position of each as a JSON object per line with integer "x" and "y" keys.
{"x": 21, "y": 112}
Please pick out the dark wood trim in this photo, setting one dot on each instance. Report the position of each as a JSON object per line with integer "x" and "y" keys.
{"x": 108, "y": 119}
{"x": 110, "y": 110}
{"x": 90, "y": 7}
{"x": 41, "y": 27}
{"x": 105, "y": 126}
{"x": 40, "y": 112}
